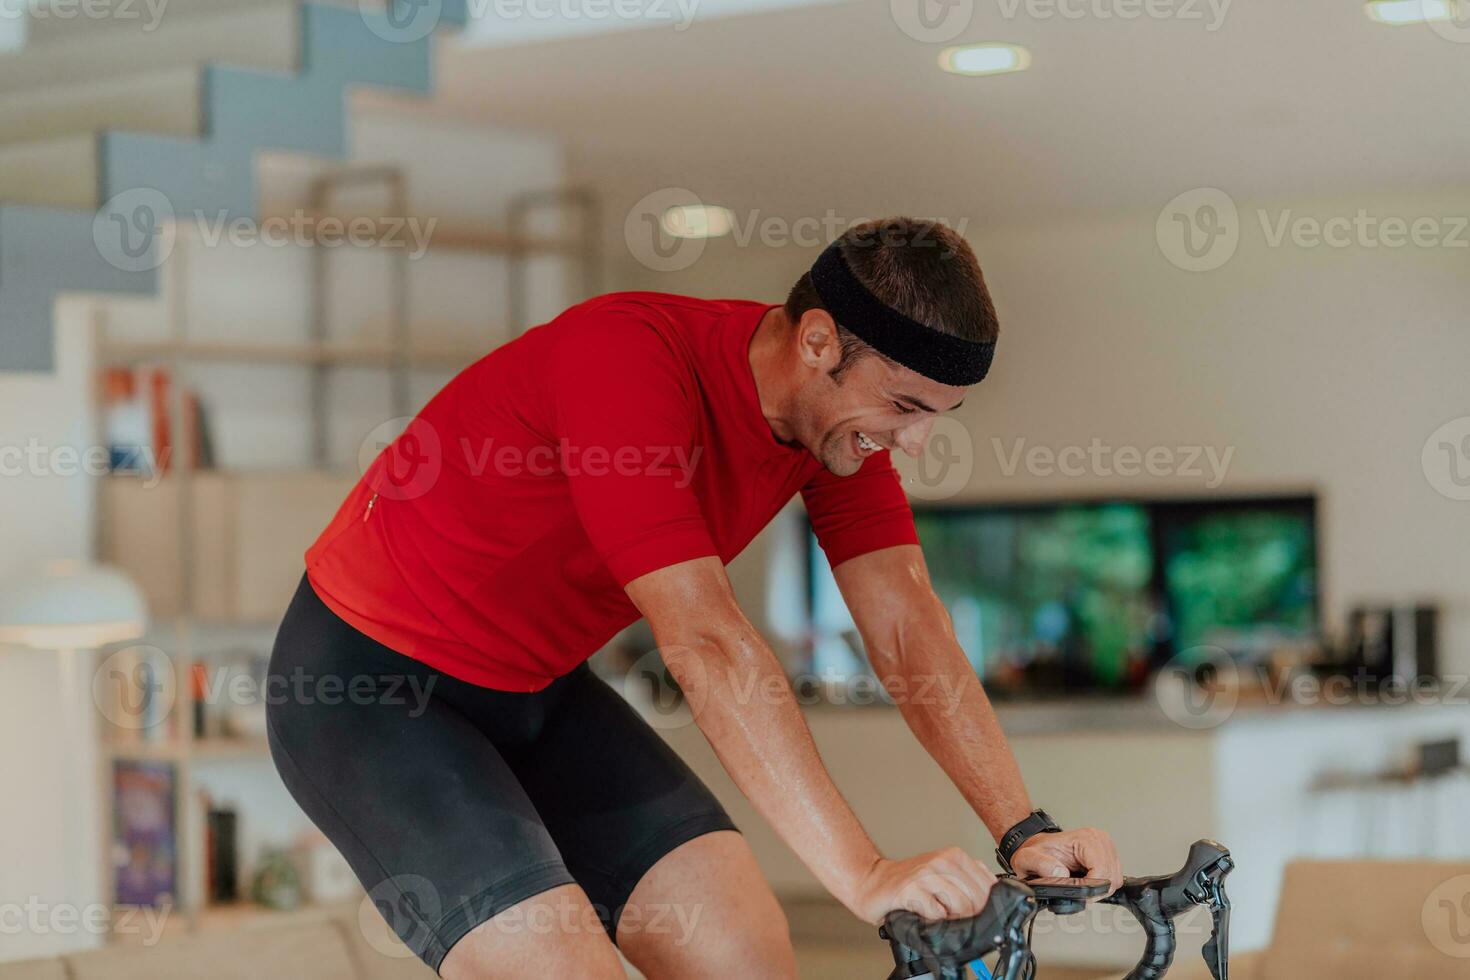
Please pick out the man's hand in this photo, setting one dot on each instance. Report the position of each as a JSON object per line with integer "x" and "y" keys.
{"x": 1085, "y": 853}
{"x": 947, "y": 884}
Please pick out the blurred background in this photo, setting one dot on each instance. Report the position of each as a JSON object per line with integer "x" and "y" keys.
{"x": 1202, "y": 532}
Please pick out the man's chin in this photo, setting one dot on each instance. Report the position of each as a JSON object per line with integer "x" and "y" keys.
{"x": 839, "y": 463}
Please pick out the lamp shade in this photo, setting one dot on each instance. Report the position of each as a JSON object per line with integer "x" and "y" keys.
{"x": 71, "y": 605}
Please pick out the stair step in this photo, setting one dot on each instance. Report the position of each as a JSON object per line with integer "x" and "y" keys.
{"x": 168, "y": 102}
{"x": 296, "y": 68}
{"x": 243, "y": 114}
{"x": 264, "y": 36}
{"x": 44, "y": 253}
{"x": 118, "y": 16}
{"x": 56, "y": 173}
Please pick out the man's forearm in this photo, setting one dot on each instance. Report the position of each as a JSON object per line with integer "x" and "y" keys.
{"x": 743, "y": 704}
{"x": 941, "y": 699}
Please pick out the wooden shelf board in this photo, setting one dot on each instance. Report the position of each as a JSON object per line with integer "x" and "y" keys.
{"x": 230, "y": 748}
{"x": 441, "y": 236}
{"x": 177, "y": 750}
{"x": 306, "y": 354}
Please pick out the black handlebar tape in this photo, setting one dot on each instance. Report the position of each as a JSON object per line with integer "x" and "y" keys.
{"x": 948, "y": 944}
{"x": 1156, "y": 901}
{"x": 1143, "y": 899}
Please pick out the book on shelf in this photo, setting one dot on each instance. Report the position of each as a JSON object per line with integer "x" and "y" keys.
{"x": 144, "y": 833}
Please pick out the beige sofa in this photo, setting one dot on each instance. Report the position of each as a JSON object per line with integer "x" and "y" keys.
{"x": 330, "y": 945}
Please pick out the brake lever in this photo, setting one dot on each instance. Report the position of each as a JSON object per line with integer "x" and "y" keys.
{"x": 1155, "y": 902}
{"x": 1216, "y": 949}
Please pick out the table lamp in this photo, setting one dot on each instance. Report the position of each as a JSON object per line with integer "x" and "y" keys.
{"x": 69, "y": 607}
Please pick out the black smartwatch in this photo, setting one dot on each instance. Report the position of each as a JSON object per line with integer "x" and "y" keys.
{"x": 1010, "y": 842}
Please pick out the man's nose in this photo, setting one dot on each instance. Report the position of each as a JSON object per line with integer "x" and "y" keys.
{"x": 911, "y": 438}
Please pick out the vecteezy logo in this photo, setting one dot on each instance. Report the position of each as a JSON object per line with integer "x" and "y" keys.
{"x": 401, "y": 21}
{"x": 1455, "y": 27}
{"x": 1445, "y": 917}
{"x": 1199, "y": 230}
{"x": 945, "y": 466}
{"x": 1198, "y": 688}
{"x": 135, "y": 231}
{"x": 135, "y": 688}
{"x": 932, "y": 21}
{"x": 649, "y": 685}
{"x": 1446, "y": 459}
{"x": 647, "y": 237}
{"x": 401, "y": 458}
{"x": 410, "y": 905}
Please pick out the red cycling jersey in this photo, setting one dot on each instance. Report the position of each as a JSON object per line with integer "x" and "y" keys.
{"x": 493, "y": 538}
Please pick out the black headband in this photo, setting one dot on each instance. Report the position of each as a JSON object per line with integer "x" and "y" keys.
{"x": 936, "y": 355}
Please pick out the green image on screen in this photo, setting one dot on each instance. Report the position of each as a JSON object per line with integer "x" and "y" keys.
{"x": 1091, "y": 597}
{"x": 1240, "y": 580}
{"x": 1053, "y": 598}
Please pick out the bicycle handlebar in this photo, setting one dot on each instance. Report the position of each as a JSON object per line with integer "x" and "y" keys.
{"x": 943, "y": 949}
{"x": 1156, "y": 901}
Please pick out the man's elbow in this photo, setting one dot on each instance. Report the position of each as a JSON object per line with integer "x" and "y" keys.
{"x": 714, "y": 651}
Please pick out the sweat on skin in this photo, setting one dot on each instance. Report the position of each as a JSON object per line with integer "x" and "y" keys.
{"x": 937, "y": 688}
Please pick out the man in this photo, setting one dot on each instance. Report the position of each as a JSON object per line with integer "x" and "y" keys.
{"x": 518, "y": 818}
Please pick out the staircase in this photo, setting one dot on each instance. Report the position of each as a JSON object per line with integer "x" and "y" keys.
{"x": 109, "y": 132}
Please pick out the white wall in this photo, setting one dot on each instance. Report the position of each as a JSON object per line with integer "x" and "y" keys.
{"x": 45, "y": 512}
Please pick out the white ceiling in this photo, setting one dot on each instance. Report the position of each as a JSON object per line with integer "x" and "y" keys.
{"x": 500, "y": 23}
{"x": 798, "y": 110}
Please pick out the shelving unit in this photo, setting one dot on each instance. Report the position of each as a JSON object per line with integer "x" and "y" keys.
{"x": 399, "y": 355}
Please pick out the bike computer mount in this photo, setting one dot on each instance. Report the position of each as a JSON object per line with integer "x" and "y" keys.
{"x": 942, "y": 950}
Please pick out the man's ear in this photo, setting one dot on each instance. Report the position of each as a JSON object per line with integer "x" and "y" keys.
{"x": 817, "y": 343}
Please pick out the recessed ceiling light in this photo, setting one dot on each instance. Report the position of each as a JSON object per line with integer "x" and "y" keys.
{"x": 696, "y": 221}
{"x": 984, "y": 59}
{"x": 1397, "y": 12}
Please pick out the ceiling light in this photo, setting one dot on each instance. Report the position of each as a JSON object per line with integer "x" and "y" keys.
{"x": 984, "y": 59}
{"x": 1398, "y": 12}
{"x": 696, "y": 221}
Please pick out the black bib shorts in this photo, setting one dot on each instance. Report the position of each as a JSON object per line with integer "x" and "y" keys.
{"x": 454, "y": 802}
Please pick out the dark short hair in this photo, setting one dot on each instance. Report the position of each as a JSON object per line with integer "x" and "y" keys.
{"x": 921, "y": 268}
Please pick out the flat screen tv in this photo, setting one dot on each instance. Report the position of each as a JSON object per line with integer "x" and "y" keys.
{"x": 1093, "y": 596}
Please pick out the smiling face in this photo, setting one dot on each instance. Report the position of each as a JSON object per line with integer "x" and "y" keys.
{"x": 844, "y": 416}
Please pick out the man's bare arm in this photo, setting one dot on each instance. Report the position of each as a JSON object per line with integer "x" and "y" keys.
{"x": 911, "y": 645}
{"x": 744, "y": 706}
